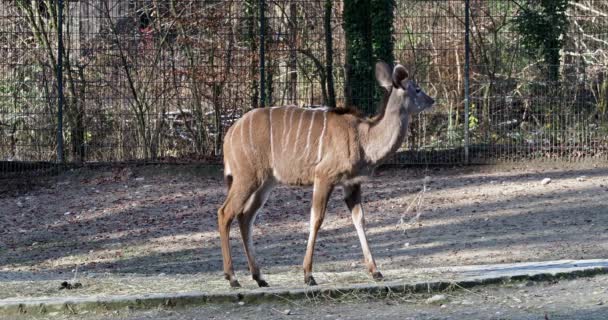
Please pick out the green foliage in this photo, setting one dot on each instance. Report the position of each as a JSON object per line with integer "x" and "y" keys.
{"x": 382, "y": 36}
{"x": 357, "y": 29}
{"x": 368, "y": 26}
{"x": 382, "y": 17}
{"x": 473, "y": 120}
{"x": 542, "y": 25}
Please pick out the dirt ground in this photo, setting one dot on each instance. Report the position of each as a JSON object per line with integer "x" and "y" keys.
{"x": 584, "y": 298}
{"x": 162, "y": 220}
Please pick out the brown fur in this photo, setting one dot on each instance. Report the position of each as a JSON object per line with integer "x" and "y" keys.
{"x": 347, "y": 110}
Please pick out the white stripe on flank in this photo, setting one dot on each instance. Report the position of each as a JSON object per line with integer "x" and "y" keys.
{"x": 307, "y": 148}
{"x": 286, "y": 138}
{"x": 295, "y": 144}
{"x": 245, "y": 151}
{"x": 321, "y": 137}
{"x": 284, "y": 127}
{"x": 271, "y": 143}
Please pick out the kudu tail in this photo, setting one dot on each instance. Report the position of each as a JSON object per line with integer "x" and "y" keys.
{"x": 228, "y": 179}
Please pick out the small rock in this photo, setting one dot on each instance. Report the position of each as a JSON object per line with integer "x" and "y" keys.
{"x": 67, "y": 213}
{"x": 286, "y": 312}
{"x": 407, "y": 244}
{"x": 70, "y": 286}
{"x": 34, "y": 244}
{"x": 20, "y": 204}
{"x": 545, "y": 181}
{"x": 601, "y": 303}
{"x": 581, "y": 178}
{"x": 438, "y": 298}
{"x": 241, "y": 303}
{"x": 139, "y": 179}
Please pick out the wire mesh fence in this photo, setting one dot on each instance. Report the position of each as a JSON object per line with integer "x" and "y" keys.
{"x": 150, "y": 80}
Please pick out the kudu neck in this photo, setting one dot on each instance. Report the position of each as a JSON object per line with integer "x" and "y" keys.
{"x": 386, "y": 133}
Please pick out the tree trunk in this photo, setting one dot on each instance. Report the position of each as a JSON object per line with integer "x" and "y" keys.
{"x": 329, "y": 55}
{"x": 293, "y": 56}
{"x": 359, "y": 71}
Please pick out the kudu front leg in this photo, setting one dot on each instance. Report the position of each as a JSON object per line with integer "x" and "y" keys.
{"x": 321, "y": 192}
{"x": 353, "y": 201}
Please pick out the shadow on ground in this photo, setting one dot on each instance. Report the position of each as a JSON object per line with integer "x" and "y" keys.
{"x": 152, "y": 223}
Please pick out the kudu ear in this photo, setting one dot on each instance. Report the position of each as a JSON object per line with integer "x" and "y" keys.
{"x": 383, "y": 75}
{"x": 399, "y": 75}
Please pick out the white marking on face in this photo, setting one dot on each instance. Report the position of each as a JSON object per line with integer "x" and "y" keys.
{"x": 227, "y": 170}
{"x": 271, "y": 142}
{"x": 321, "y": 137}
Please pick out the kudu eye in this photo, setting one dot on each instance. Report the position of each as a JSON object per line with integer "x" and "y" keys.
{"x": 418, "y": 89}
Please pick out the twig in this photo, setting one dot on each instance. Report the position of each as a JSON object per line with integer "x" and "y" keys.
{"x": 417, "y": 200}
{"x": 289, "y": 301}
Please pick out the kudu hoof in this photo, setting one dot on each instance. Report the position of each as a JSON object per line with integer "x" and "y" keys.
{"x": 377, "y": 276}
{"x": 235, "y": 284}
{"x": 262, "y": 283}
{"x": 309, "y": 280}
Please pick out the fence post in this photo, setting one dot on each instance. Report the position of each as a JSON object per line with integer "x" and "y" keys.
{"x": 262, "y": 6}
{"x": 60, "y": 81}
{"x": 467, "y": 51}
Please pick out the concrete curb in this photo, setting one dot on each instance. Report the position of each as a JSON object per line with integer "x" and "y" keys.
{"x": 469, "y": 276}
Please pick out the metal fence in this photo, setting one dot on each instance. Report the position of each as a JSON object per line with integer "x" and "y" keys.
{"x": 150, "y": 80}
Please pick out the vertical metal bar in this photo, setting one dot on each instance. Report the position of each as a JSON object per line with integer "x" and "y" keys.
{"x": 262, "y": 5}
{"x": 60, "y": 81}
{"x": 467, "y": 51}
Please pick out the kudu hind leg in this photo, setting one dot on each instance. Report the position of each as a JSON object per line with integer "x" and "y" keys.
{"x": 246, "y": 221}
{"x": 232, "y": 207}
{"x": 353, "y": 201}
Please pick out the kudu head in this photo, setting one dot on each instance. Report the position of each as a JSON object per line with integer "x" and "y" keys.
{"x": 402, "y": 90}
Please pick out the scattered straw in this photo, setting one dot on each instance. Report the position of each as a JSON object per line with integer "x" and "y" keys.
{"x": 417, "y": 202}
